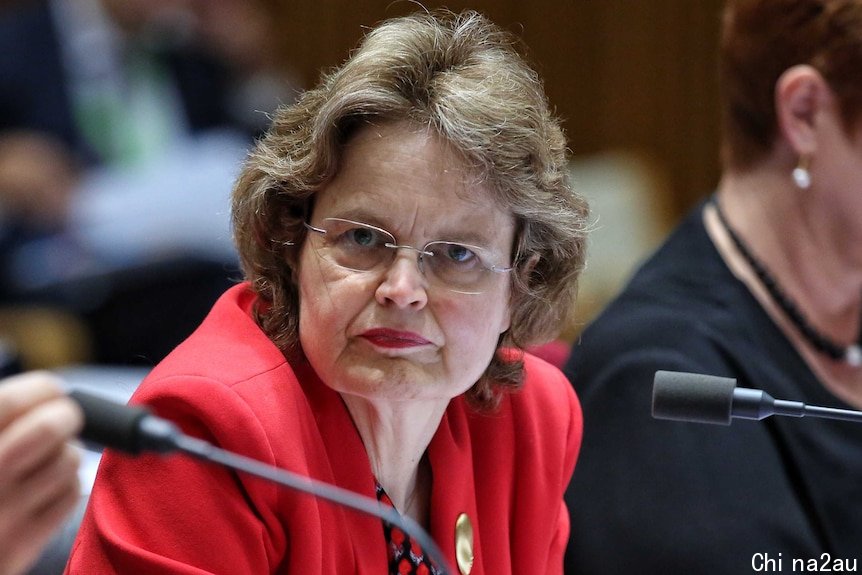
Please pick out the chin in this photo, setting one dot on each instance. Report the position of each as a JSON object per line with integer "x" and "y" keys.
{"x": 393, "y": 379}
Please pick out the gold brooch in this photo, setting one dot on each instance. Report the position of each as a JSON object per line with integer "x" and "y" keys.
{"x": 464, "y": 544}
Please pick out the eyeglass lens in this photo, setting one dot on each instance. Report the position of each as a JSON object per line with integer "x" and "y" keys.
{"x": 363, "y": 247}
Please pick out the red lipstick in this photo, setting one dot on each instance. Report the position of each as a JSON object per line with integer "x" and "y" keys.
{"x": 393, "y": 338}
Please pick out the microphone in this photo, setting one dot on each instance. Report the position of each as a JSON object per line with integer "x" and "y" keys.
{"x": 702, "y": 398}
{"x": 133, "y": 429}
{"x": 126, "y": 428}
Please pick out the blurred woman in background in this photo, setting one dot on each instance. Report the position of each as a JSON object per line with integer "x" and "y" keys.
{"x": 762, "y": 283}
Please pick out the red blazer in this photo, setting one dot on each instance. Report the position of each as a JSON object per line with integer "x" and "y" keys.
{"x": 230, "y": 385}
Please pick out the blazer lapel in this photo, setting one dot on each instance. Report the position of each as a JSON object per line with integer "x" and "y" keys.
{"x": 453, "y": 493}
{"x": 350, "y": 469}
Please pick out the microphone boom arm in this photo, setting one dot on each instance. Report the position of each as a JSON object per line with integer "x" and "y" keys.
{"x": 133, "y": 429}
{"x": 711, "y": 399}
{"x": 756, "y": 404}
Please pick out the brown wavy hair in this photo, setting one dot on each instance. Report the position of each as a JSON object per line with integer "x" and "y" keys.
{"x": 463, "y": 77}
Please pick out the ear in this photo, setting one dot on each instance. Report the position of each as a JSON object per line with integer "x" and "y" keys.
{"x": 802, "y": 96}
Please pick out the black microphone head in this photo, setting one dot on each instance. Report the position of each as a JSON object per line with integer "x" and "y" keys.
{"x": 110, "y": 423}
{"x": 692, "y": 397}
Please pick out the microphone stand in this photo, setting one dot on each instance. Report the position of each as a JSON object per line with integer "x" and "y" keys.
{"x": 204, "y": 451}
{"x": 133, "y": 429}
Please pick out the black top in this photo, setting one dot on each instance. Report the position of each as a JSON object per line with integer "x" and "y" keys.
{"x": 651, "y": 496}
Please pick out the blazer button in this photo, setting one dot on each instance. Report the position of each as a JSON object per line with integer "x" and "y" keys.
{"x": 464, "y": 544}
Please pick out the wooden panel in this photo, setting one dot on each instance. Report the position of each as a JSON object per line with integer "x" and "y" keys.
{"x": 645, "y": 81}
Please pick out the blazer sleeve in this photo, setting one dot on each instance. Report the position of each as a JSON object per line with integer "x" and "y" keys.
{"x": 174, "y": 514}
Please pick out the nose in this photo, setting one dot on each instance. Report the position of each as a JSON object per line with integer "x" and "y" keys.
{"x": 403, "y": 284}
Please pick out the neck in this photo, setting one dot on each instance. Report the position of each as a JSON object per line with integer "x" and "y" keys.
{"x": 786, "y": 231}
{"x": 395, "y": 435}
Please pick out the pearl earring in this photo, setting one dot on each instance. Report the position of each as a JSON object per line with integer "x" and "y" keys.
{"x": 801, "y": 175}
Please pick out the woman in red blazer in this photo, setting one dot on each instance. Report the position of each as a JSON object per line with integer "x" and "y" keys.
{"x": 405, "y": 228}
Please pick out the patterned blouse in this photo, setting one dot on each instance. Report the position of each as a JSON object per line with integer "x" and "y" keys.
{"x": 406, "y": 557}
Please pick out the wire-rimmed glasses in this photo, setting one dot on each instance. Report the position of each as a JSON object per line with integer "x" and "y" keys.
{"x": 360, "y": 247}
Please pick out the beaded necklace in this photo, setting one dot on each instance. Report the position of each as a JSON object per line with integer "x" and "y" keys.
{"x": 851, "y": 354}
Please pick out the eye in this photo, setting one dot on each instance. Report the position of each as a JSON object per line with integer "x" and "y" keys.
{"x": 456, "y": 254}
{"x": 459, "y": 253}
{"x": 363, "y": 237}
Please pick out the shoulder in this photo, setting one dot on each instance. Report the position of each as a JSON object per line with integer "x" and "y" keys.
{"x": 547, "y": 390}
{"x": 539, "y": 426}
{"x": 226, "y": 376}
{"x": 228, "y": 346}
{"x": 547, "y": 396}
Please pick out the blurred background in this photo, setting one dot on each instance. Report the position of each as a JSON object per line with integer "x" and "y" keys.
{"x": 124, "y": 122}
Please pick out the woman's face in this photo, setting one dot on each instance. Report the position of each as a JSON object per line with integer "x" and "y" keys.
{"x": 388, "y": 334}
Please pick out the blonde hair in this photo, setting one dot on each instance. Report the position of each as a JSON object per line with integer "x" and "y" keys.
{"x": 461, "y": 76}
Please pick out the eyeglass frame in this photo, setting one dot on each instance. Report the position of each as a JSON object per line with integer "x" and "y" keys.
{"x": 395, "y": 246}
